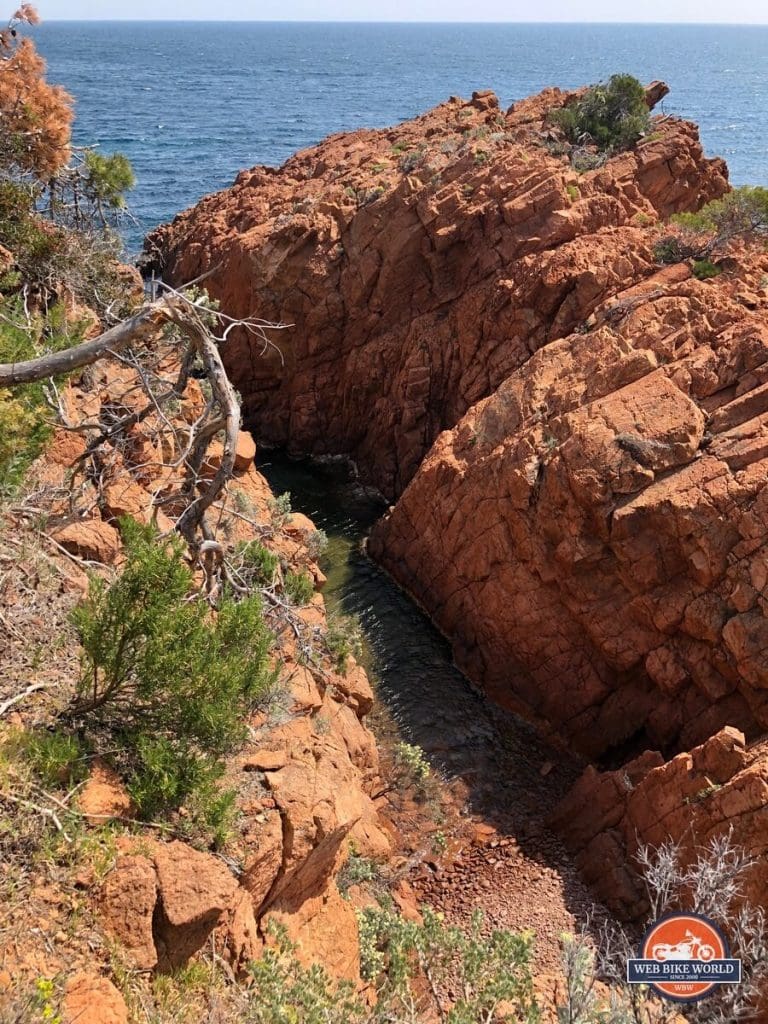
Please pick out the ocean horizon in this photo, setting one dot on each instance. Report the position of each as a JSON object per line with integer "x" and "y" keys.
{"x": 192, "y": 103}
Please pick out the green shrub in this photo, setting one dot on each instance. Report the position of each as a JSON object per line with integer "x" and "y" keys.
{"x": 280, "y": 507}
{"x": 25, "y": 422}
{"x": 107, "y": 178}
{"x": 283, "y": 991}
{"x": 299, "y": 588}
{"x": 670, "y": 249}
{"x": 410, "y": 765}
{"x": 316, "y": 542}
{"x": 705, "y": 269}
{"x": 356, "y": 870}
{"x": 612, "y": 116}
{"x": 167, "y": 681}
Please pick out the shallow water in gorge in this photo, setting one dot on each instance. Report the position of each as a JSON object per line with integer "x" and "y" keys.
{"x": 421, "y": 694}
{"x": 506, "y": 778}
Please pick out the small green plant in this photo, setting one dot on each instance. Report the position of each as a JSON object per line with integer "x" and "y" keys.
{"x": 491, "y": 974}
{"x": 316, "y": 544}
{"x": 259, "y": 565}
{"x": 380, "y": 166}
{"x": 643, "y": 220}
{"x": 25, "y": 421}
{"x": 299, "y": 588}
{"x": 57, "y": 758}
{"x": 573, "y": 192}
{"x": 670, "y": 249}
{"x": 167, "y": 682}
{"x": 280, "y": 507}
{"x": 611, "y": 116}
{"x": 344, "y": 639}
{"x": 705, "y": 269}
{"x": 357, "y": 870}
{"x": 44, "y": 1001}
{"x": 413, "y": 159}
{"x": 439, "y": 842}
{"x": 286, "y": 992}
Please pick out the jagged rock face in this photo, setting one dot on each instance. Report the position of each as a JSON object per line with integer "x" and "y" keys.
{"x": 718, "y": 789}
{"x": 420, "y": 266}
{"x": 593, "y": 537}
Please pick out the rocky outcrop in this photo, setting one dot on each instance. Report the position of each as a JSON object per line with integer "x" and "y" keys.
{"x": 593, "y": 536}
{"x": 420, "y": 266}
{"x": 719, "y": 789}
{"x": 304, "y": 779}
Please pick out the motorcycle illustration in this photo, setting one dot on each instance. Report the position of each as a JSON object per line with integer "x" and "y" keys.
{"x": 691, "y": 948}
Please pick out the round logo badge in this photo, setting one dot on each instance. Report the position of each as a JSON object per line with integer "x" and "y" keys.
{"x": 690, "y": 939}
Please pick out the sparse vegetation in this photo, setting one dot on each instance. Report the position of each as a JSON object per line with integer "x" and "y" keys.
{"x": 742, "y": 213}
{"x": 299, "y": 588}
{"x": 280, "y": 508}
{"x": 258, "y": 565}
{"x": 344, "y": 639}
{"x": 357, "y": 870}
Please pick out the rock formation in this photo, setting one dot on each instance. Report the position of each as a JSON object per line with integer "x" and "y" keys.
{"x": 613, "y": 587}
{"x": 577, "y": 438}
{"x": 419, "y": 266}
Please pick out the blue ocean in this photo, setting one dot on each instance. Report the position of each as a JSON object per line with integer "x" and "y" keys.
{"x": 193, "y": 103}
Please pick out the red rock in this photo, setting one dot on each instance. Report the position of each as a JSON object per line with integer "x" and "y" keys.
{"x": 608, "y": 590}
{"x": 194, "y": 891}
{"x": 126, "y": 905}
{"x": 89, "y": 539}
{"x": 245, "y": 452}
{"x": 104, "y": 795}
{"x": 718, "y": 789}
{"x": 91, "y": 999}
{"x": 265, "y": 760}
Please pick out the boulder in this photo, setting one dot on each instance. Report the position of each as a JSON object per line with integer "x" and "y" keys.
{"x": 89, "y": 539}
{"x": 194, "y": 890}
{"x": 92, "y": 999}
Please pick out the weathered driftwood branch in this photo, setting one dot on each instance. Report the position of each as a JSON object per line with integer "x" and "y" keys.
{"x": 221, "y": 416}
{"x": 136, "y": 329}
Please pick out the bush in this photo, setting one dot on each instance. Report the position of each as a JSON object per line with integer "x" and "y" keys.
{"x": 24, "y": 417}
{"x": 670, "y": 249}
{"x": 742, "y": 212}
{"x": 356, "y": 870}
{"x": 487, "y": 971}
{"x": 705, "y": 269}
{"x": 169, "y": 682}
{"x": 611, "y": 116}
{"x": 299, "y": 588}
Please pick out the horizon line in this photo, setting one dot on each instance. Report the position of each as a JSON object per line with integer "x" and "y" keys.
{"x": 394, "y": 21}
